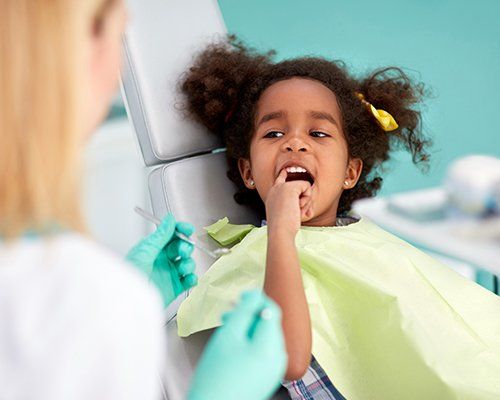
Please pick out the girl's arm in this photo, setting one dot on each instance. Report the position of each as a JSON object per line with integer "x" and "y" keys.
{"x": 286, "y": 204}
{"x": 283, "y": 283}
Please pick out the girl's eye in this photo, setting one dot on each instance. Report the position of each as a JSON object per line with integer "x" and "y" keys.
{"x": 273, "y": 134}
{"x": 319, "y": 134}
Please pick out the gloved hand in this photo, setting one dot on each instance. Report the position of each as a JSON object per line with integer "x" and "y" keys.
{"x": 166, "y": 259}
{"x": 245, "y": 359}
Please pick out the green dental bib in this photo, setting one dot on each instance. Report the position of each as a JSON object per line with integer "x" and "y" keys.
{"x": 388, "y": 321}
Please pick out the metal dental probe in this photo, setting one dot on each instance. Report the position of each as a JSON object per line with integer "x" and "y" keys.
{"x": 212, "y": 253}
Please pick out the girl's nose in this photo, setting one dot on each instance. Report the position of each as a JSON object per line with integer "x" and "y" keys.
{"x": 295, "y": 144}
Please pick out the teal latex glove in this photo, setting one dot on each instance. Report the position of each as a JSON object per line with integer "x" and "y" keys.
{"x": 166, "y": 259}
{"x": 245, "y": 359}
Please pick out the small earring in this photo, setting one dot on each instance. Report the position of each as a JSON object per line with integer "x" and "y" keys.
{"x": 346, "y": 183}
{"x": 251, "y": 182}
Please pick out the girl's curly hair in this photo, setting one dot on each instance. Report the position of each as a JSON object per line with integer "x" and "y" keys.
{"x": 223, "y": 87}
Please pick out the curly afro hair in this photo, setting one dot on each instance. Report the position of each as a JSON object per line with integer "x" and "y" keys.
{"x": 224, "y": 84}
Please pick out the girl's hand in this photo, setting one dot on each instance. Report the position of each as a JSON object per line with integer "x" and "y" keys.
{"x": 287, "y": 204}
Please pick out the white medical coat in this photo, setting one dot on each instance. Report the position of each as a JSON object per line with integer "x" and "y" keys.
{"x": 76, "y": 323}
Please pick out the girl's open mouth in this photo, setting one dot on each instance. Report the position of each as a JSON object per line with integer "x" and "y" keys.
{"x": 299, "y": 174}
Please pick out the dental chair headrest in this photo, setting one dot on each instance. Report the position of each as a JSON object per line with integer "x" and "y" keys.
{"x": 160, "y": 44}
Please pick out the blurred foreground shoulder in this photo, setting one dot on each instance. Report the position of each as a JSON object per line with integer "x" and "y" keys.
{"x": 81, "y": 323}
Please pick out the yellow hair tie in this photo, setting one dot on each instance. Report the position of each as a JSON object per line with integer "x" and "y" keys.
{"x": 384, "y": 119}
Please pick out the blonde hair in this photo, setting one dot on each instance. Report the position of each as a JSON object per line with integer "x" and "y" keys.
{"x": 42, "y": 107}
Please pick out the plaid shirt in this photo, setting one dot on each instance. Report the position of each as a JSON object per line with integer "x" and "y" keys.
{"x": 314, "y": 385}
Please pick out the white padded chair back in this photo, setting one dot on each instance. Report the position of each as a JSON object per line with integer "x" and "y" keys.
{"x": 161, "y": 41}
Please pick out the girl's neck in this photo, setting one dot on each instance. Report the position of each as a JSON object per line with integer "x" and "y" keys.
{"x": 328, "y": 218}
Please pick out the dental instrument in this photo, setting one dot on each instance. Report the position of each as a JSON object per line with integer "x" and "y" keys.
{"x": 212, "y": 253}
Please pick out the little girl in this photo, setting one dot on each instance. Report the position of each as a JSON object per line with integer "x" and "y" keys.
{"x": 305, "y": 139}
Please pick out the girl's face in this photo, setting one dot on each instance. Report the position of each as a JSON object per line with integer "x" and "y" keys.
{"x": 298, "y": 124}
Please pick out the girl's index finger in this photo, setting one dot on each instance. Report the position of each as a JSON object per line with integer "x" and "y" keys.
{"x": 281, "y": 178}
{"x": 302, "y": 187}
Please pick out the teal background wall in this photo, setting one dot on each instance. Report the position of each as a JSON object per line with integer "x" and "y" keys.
{"x": 451, "y": 45}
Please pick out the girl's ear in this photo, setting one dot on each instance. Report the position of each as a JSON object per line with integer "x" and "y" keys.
{"x": 353, "y": 172}
{"x": 246, "y": 173}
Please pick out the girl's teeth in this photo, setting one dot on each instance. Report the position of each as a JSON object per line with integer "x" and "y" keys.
{"x": 295, "y": 169}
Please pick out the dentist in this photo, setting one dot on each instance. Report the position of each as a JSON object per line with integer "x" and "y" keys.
{"x": 76, "y": 322}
